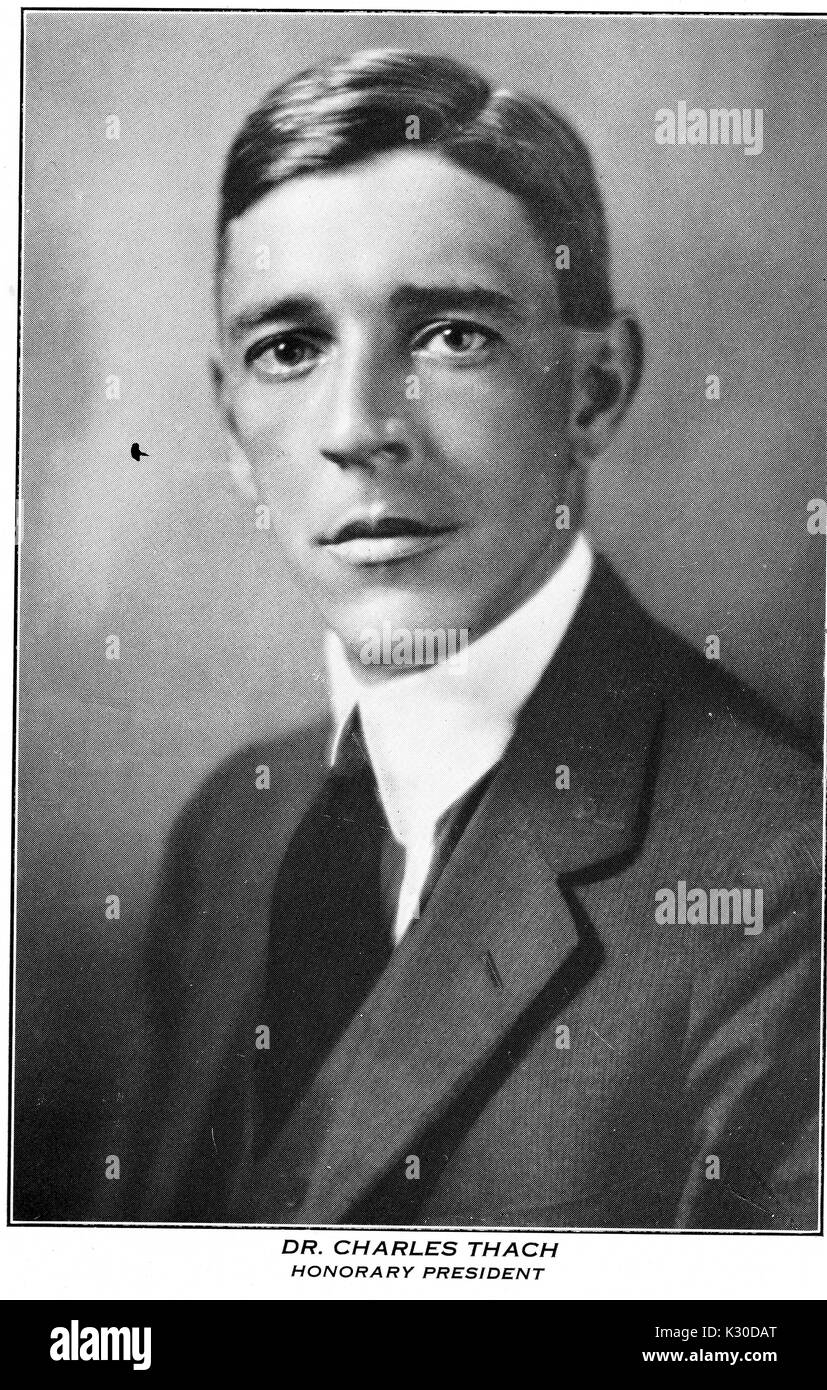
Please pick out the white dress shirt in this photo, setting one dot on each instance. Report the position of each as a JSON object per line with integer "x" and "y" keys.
{"x": 433, "y": 733}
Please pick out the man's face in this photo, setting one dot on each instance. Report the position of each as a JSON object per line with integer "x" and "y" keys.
{"x": 396, "y": 374}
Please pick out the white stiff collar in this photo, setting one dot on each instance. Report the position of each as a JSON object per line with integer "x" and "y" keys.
{"x": 433, "y": 733}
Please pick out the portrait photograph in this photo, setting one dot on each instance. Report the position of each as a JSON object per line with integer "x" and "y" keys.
{"x": 419, "y": 779}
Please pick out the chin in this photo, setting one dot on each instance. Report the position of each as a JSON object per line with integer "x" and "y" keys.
{"x": 398, "y": 611}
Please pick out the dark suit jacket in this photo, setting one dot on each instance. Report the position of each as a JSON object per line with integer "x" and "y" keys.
{"x": 552, "y": 1055}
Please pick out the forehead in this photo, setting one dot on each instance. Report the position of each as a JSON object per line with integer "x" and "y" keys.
{"x": 403, "y": 217}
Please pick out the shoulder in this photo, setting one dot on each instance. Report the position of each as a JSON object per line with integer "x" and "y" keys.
{"x": 250, "y": 785}
{"x": 736, "y": 807}
{"x": 283, "y": 757}
{"x": 729, "y": 751}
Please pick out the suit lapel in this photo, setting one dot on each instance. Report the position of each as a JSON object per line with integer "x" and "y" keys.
{"x": 497, "y": 932}
{"x": 225, "y": 960}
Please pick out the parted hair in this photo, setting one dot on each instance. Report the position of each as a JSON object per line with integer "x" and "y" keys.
{"x": 346, "y": 111}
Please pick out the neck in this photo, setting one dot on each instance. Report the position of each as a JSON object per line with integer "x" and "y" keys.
{"x": 418, "y": 656}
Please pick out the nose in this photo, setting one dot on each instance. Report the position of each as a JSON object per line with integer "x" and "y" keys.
{"x": 367, "y": 424}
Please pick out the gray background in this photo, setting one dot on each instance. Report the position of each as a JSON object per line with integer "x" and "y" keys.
{"x": 702, "y": 505}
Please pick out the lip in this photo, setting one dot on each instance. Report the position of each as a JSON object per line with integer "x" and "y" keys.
{"x": 379, "y": 538}
{"x": 386, "y": 550}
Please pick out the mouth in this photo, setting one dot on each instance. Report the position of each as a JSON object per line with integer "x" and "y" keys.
{"x": 385, "y": 540}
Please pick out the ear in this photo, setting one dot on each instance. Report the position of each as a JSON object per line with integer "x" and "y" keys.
{"x": 239, "y": 465}
{"x": 606, "y": 369}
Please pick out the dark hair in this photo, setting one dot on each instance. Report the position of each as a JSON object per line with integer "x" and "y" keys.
{"x": 347, "y": 110}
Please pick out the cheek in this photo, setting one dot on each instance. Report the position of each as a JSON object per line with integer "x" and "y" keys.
{"x": 260, "y": 424}
{"x": 268, "y": 438}
{"x": 287, "y": 493}
{"x": 507, "y": 441}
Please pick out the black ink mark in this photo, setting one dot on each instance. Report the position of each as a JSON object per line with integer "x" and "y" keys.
{"x": 491, "y": 967}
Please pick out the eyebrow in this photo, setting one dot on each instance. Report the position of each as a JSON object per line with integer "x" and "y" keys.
{"x": 425, "y": 300}
{"x": 272, "y": 311}
{"x": 436, "y": 299}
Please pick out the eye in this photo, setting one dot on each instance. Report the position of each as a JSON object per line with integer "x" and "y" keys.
{"x": 283, "y": 355}
{"x": 454, "y": 339}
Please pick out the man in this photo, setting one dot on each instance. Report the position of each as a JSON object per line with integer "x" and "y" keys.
{"x": 533, "y": 939}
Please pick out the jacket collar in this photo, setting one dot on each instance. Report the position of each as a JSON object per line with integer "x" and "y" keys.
{"x": 497, "y": 944}
{"x": 433, "y": 733}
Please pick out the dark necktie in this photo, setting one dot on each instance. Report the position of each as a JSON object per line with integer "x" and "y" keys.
{"x": 331, "y": 926}
{"x": 328, "y": 942}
